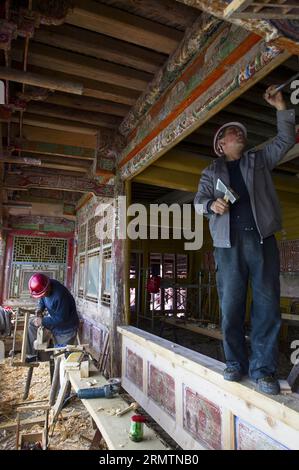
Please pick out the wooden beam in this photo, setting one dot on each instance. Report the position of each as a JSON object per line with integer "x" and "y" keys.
{"x": 83, "y": 66}
{"x": 265, "y": 16}
{"x": 84, "y": 117}
{"x": 40, "y": 81}
{"x": 44, "y": 164}
{"x": 101, "y": 47}
{"x": 39, "y": 134}
{"x": 236, "y": 6}
{"x": 167, "y": 178}
{"x": 183, "y": 161}
{"x": 46, "y": 148}
{"x": 54, "y": 182}
{"x": 94, "y": 89}
{"x": 54, "y": 123}
{"x": 88, "y": 104}
{"x": 113, "y": 22}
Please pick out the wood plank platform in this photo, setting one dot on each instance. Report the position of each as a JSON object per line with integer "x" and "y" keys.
{"x": 114, "y": 429}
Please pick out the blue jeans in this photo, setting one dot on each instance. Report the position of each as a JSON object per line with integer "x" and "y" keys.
{"x": 249, "y": 260}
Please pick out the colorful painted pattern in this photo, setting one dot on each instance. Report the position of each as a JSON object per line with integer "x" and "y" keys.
{"x": 238, "y": 74}
{"x": 161, "y": 389}
{"x": 202, "y": 419}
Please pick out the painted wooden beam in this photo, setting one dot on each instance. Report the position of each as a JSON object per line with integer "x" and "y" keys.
{"x": 85, "y": 103}
{"x": 112, "y": 22}
{"x": 84, "y": 117}
{"x": 54, "y": 181}
{"x": 99, "y": 70}
{"x": 29, "y": 78}
{"x": 101, "y": 47}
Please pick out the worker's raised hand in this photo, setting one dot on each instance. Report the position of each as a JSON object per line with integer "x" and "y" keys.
{"x": 220, "y": 206}
{"x": 275, "y": 99}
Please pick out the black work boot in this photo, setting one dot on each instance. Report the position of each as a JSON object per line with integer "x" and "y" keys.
{"x": 269, "y": 385}
{"x": 232, "y": 374}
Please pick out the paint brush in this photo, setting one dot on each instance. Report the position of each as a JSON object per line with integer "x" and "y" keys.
{"x": 283, "y": 85}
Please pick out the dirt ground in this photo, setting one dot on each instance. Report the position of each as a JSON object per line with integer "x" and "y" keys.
{"x": 71, "y": 433}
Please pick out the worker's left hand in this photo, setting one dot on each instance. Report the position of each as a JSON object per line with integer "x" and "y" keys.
{"x": 37, "y": 321}
{"x": 276, "y": 100}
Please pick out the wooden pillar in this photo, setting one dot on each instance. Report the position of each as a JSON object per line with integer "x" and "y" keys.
{"x": 128, "y": 186}
{"x": 118, "y": 286}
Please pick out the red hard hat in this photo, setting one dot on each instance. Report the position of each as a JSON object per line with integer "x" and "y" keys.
{"x": 38, "y": 285}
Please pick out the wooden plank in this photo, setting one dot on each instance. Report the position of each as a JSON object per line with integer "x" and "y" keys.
{"x": 166, "y": 12}
{"x": 57, "y": 124}
{"x": 88, "y": 104}
{"x": 84, "y": 117}
{"x": 112, "y": 22}
{"x": 173, "y": 179}
{"x": 236, "y": 6}
{"x": 44, "y": 164}
{"x": 37, "y": 80}
{"x": 95, "y": 89}
{"x": 39, "y": 134}
{"x": 83, "y": 66}
{"x": 11, "y": 425}
{"x": 276, "y": 416}
{"x": 101, "y": 47}
{"x": 210, "y": 332}
{"x": 25, "y": 337}
{"x": 265, "y": 16}
{"x": 114, "y": 429}
{"x": 47, "y": 148}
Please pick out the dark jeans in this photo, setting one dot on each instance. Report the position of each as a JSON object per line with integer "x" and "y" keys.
{"x": 60, "y": 339}
{"x": 249, "y": 260}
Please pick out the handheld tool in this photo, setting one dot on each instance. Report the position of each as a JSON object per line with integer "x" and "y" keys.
{"x": 283, "y": 85}
{"x": 229, "y": 194}
{"x": 107, "y": 391}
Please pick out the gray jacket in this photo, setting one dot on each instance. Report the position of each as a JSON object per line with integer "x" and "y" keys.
{"x": 256, "y": 167}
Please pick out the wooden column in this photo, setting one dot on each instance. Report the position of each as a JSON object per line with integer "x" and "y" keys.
{"x": 128, "y": 187}
{"x": 118, "y": 286}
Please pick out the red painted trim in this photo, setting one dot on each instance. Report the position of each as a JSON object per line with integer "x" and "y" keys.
{"x": 246, "y": 45}
{"x": 70, "y": 264}
{"x": 37, "y": 233}
{"x": 7, "y": 266}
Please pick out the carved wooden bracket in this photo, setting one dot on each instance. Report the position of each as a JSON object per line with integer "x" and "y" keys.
{"x": 109, "y": 145}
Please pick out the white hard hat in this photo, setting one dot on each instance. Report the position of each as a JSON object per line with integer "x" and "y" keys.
{"x": 217, "y": 147}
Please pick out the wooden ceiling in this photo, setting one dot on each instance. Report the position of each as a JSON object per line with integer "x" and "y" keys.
{"x": 113, "y": 48}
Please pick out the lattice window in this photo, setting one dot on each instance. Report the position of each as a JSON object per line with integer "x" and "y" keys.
{"x": 92, "y": 240}
{"x": 81, "y": 276}
{"x": 107, "y": 275}
{"x": 82, "y": 239}
{"x": 39, "y": 250}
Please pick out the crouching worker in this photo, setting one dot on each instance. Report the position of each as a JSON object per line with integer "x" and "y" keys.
{"x": 61, "y": 321}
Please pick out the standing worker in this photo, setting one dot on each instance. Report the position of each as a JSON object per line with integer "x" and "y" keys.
{"x": 245, "y": 244}
{"x": 62, "y": 319}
